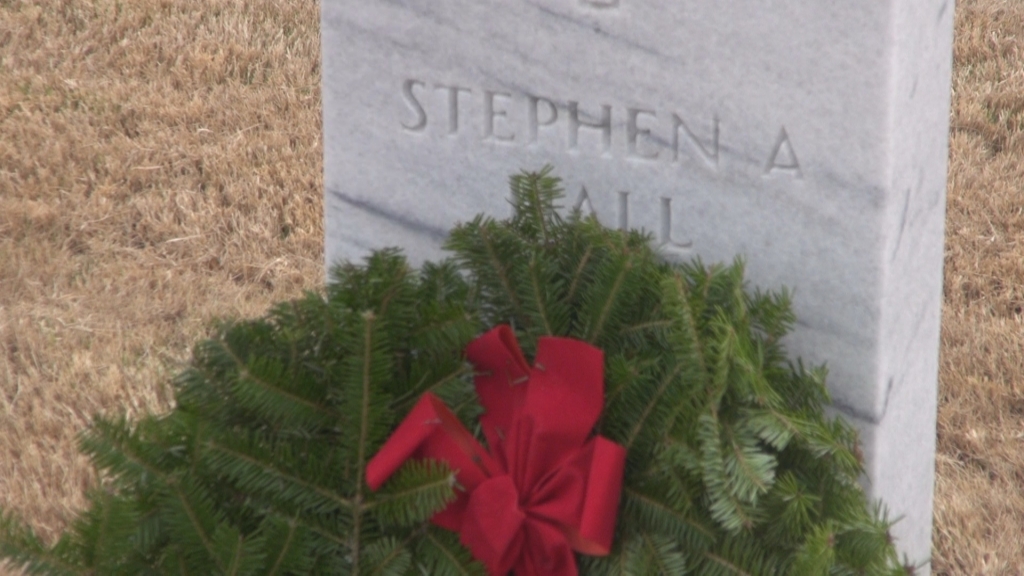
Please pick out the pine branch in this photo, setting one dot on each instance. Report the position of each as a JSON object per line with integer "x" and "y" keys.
{"x": 752, "y": 470}
{"x": 577, "y": 276}
{"x": 108, "y": 537}
{"x": 20, "y": 547}
{"x": 235, "y": 552}
{"x": 192, "y": 530}
{"x": 655, "y": 399}
{"x": 118, "y": 448}
{"x": 716, "y": 565}
{"x": 433, "y": 383}
{"x": 266, "y": 475}
{"x": 285, "y": 550}
{"x": 476, "y": 249}
{"x": 388, "y": 557}
{"x": 538, "y": 287}
{"x": 262, "y": 395}
{"x": 440, "y": 554}
{"x": 727, "y": 507}
{"x": 364, "y": 433}
{"x": 648, "y": 514}
{"x": 605, "y": 299}
{"x": 663, "y": 556}
{"x": 417, "y": 491}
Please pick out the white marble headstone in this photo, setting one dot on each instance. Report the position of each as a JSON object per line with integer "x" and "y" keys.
{"x": 809, "y": 136}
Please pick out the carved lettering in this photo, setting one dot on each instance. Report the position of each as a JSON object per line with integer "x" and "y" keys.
{"x": 410, "y": 99}
{"x": 708, "y": 153}
{"x": 453, "y": 105}
{"x": 535, "y": 121}
{"x": 783, "y": 157}
{"x": 633, "y": 132}
{"x": 604, "y": 125}
{"x": 623, "y": 210}
{"x": 490, "y": 114}
{"x": 665, "y": 237}
{"x": 584, "y": 197}
{"x": 640, "y": 134}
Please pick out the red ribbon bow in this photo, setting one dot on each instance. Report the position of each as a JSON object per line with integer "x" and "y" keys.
{"x": 547, "y": 487}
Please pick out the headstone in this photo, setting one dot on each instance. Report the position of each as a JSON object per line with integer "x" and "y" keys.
{"x": 809, "y": 136}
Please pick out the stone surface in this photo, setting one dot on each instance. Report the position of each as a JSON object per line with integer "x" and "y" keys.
{"x": 809, "y": 136}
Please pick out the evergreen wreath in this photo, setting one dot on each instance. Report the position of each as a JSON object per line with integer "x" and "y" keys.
{"x": 732, "y": 467}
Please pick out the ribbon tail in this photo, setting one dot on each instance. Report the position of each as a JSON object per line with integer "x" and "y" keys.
{"x": 404, "y": 441}
{"x": 432, "y": 431}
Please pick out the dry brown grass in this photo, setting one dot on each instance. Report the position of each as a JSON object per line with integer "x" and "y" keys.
{"x": 979, "y": 511}
{"x": 160, "y": 165}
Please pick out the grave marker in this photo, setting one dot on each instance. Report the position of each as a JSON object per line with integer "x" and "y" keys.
{"x": 809, "y": 136}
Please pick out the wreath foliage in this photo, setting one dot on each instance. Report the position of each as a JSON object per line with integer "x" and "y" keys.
{"x": 733, "y": 467}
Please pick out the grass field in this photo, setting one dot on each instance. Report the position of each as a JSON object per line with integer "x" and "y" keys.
{"x": 160, "y": 166}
